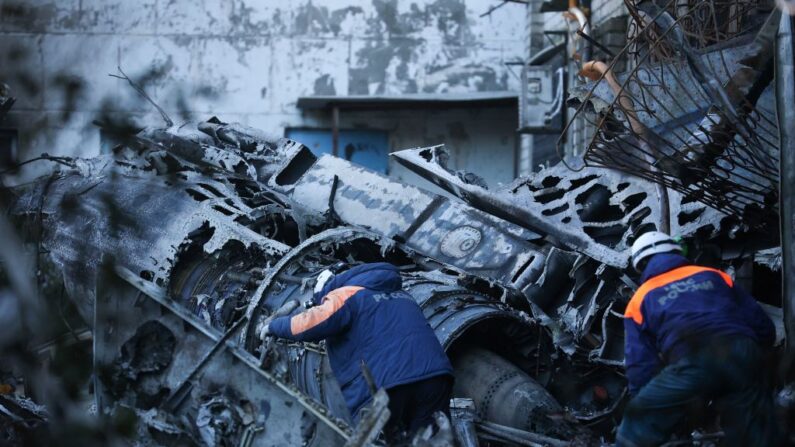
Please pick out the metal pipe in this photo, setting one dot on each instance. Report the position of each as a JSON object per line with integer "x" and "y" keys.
{"x": 534, "y": 55}
{"x": 525, "y": 435}
{"x": 504, "y": 394}
{"x": 463, "y": 415}
{"x": 580, "y": 50}
{"x": 543, "y": 56}
{"x": 335, "y": 131}
{"x": 596, "y": 70}
{"x": 585, "y": 28}
{"x": 785, "y": 107}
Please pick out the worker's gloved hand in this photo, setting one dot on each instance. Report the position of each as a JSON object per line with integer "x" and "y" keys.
{"x": 264, "y": 331}
{"x": 322, "y": 279}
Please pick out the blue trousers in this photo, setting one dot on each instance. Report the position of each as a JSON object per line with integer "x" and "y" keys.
{"x": 729, "y": 371}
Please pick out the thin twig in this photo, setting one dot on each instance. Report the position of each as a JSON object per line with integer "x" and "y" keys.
{"x": 141, "y": 92}
{"x": 494, "y": 8}
{"x": 67, "y": 161}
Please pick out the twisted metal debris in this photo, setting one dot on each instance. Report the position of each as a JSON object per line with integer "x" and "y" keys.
{"x": 694, "y": 110}
{"x": 175, "y": 249}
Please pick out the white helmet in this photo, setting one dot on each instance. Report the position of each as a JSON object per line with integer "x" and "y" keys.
{"x": 652, "y": 243}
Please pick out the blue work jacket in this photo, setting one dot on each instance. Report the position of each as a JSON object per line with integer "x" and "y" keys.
{"x": 364, "y": 314}
{"x": 677, "y": 308}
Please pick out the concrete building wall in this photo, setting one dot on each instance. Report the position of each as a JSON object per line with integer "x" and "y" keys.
{"x": 603, "y": 10}
{"x": 599, "y": 12}
{"x": 607, "y": 21}
{"x": 249, "y": 61}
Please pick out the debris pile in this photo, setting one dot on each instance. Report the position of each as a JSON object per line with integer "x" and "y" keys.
{"x": 177, "y": 247}
{"x": 695, "y": 109}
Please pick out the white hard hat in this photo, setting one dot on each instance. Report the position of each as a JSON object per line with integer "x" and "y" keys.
{"x": 652, "y": 243}
{"x": 322, "y": 279}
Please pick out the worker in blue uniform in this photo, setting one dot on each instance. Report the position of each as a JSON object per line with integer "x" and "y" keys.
{"x": 366, "y": 318}
{"x": 693, "y": 336}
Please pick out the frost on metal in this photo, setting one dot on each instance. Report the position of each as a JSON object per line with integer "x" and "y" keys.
{"x": 181, "y": 244}
{"x": 588, "y": 219}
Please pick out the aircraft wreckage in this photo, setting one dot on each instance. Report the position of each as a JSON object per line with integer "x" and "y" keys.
{"x": 178, "y": 246}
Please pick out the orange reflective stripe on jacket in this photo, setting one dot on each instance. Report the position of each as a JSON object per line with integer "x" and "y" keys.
{"x": 316, "y": 315}
{"x": 633, "y": 308}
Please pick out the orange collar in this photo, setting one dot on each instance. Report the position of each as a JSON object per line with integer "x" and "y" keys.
{"x": 633, "y": 308}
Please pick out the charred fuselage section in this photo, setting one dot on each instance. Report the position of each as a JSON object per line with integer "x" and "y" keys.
{"x": 176, "y": 249}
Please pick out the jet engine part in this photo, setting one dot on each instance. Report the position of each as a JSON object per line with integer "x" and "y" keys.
{"x": 504, "y": 394}
{"x": 175, "y": 269}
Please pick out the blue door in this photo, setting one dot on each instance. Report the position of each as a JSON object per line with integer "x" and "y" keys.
{"x": 365, "y": 147}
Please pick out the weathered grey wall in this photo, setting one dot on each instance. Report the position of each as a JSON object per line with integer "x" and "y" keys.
{"x": 249, "y": 60}
{"x": 607, "y": 21}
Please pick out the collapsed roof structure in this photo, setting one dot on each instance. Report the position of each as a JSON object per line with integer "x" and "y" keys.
{"x": 177, "y": 247}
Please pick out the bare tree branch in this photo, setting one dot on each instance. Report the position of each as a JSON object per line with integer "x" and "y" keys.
{"x": 143, "y": 93}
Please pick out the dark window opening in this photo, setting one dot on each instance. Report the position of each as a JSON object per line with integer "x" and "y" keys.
{"x": 107, "y": 141}
{"x": 8, "y": 148}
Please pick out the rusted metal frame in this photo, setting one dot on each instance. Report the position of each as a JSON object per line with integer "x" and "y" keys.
{"x": 714, "y": 90}
{"x": 661, "y": 37}
{"x": 590, "y": 94}
{"x": 718, "y": 202}
{"x": 654, "y": 178}
{"x": 640, "y": 129}
{"x": 655, "y": 39}
{"x": 662, "y": 66}
{"x": 673, "y": 98}
{"x": 762, "y": 41}
{"x": 644, "y": 150}
{"x": 581, "y": 107}
{"x": 715, "y": 200}
{"x": 715, "y": 30}
{"x": 737, "y": 187}
{"x": 750, "y": 115}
